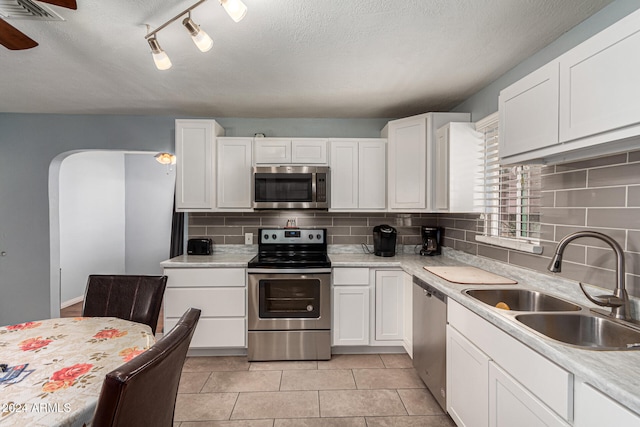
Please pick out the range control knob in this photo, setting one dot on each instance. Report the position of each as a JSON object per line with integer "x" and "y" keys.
{"x": 273, "y": 236}
{"x": 310, "y": 236}
{"x": 266, "y": 237}
{"x": 318, "y": 236}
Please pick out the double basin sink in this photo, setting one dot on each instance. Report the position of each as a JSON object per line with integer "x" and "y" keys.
{"x": 560, "y": 320}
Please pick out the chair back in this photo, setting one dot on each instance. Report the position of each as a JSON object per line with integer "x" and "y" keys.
{"x": 129, "y": 297}
{"x": 143, "y": 391}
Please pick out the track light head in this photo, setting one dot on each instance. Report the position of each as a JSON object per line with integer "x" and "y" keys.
{"x": 235, "y": 8}
{"x": 160, "y": 57}
{"x": 199, "y": 37}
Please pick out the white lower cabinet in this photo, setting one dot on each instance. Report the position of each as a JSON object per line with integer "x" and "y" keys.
{"x": 369, "y": 308}
{"x": 351, "y": 315}
{"x": 495, "y": 380}
{"x": 467, "y": 381}
{"x": 594, "y": 409}
{"x": 511, "y": 404}
{"x": 351, "y": 306}
{"x": 221, "y": 295}
{"x": 389, "y": 305}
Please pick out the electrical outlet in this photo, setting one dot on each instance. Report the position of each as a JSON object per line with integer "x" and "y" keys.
{"x": 248, "y": 238}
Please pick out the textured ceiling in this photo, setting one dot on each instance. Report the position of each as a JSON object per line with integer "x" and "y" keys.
{"x": 287, "y": 58}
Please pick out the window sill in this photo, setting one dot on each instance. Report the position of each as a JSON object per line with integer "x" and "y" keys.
{"x": 511, "y": 244}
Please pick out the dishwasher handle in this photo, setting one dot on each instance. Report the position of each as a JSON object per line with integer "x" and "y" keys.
{"x": 429, "y": 290}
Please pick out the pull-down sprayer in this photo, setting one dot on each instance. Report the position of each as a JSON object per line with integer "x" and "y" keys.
{"x": 619, "y": 301}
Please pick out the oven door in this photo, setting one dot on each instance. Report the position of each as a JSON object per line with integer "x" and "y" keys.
{"x": 289, "y": 301}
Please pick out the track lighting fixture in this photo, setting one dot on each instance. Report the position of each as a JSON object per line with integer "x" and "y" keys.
{"x": 235, "y": 8}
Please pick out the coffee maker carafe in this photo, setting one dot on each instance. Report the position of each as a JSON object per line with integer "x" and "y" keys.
{"x": 384, "y": 240}
{"x": 431, "y": 240}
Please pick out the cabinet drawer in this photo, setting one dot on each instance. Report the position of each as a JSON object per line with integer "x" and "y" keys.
{"x": 548, "y": 381}
{"x": 350, "y": 276}
{"x": 205, "y": 277}
{"x": 212, "y": 333}
{"x": 218, "y": 302}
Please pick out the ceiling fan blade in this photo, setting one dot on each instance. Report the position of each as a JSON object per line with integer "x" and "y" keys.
{"x": 14, "y": 39}
{"x": 69, "y": 4}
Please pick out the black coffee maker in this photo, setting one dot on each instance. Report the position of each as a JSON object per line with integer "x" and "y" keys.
{"x": 384, "y": 240}
{"x": 431, "y": 240}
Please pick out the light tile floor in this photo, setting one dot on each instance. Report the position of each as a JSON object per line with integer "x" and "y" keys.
{"x": 374, "y": 390}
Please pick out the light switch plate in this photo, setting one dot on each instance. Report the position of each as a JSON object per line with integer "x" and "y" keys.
{"x": 248, "y": 238}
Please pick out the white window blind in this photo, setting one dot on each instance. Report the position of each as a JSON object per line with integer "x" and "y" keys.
{"x": 510, "y": 196}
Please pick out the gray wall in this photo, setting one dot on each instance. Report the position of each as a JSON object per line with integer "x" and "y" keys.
{"x": 28, "y": 144}
{"x": 485, "y": 101}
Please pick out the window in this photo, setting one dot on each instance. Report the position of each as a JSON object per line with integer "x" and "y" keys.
{"x": 510, "y": 201}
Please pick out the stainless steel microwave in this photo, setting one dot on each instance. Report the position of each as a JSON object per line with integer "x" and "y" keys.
{"x": 291, "y": 187}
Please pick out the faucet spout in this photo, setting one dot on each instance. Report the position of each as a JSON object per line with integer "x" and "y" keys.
{"x": 619, "y": 301}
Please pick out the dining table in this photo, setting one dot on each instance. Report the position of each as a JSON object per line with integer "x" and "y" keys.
{"x": 55, "y": 367}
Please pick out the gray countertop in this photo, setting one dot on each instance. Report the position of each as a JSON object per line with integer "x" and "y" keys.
{"x": 613, "y": 372}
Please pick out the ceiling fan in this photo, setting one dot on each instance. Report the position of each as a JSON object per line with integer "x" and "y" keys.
{"x": 14, "y": 39}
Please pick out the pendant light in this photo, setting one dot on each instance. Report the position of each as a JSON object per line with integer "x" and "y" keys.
{"x": 199, "y": 37}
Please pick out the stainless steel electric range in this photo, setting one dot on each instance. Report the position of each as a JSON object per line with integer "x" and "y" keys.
{"x": 290, "y": 296}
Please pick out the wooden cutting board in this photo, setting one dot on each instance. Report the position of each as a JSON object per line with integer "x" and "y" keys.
{"x": 469, "y": 275}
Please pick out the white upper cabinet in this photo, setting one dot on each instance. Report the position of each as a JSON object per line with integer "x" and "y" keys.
{"x": 272, "y": 151}
{"x": 309, "y": 150}
{"x": 195, "y": 152}
{"x": 358, "y": 174}
{"x": 582, "y": 104}
{"x": 411, "y": 145}
{"x": 529, "y": 112}
{"x": 600, "y": 82}
{"x": 457, "y": 167}
{"x": 234, "y": 172}
{"x": 279, "y": 151}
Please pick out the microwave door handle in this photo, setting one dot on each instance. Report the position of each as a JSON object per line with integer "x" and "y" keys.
{"x": 313, "y": 187}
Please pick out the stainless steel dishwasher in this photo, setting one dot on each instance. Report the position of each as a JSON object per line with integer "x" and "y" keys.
{"x": 429, "y": 338}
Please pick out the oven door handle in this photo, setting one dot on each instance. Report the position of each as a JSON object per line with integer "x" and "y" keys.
{"x": 289, "y": 271}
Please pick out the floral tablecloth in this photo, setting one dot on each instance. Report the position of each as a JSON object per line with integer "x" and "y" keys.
{"x": 69, "y": 358}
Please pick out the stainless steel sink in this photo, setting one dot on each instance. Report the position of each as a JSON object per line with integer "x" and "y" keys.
{"x": 583, "y": 330}
{"x": 521, "y": 300}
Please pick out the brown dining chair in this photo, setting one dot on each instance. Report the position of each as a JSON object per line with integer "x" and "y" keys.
{"x": 129, "y": 297}
{"x": 143, "y": 391}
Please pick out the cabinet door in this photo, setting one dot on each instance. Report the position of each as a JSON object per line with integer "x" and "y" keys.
{"x": 309, "y": 151}
{"x": 407, "y": 163}
{"x": 510, "y": 404}
{"x": 234, "y": 172}
{"x": 407, "y": 310}
{"x": 372, "y": 175}
{"x": 195, "y": 184}
{"x": 599, "y": 88}
{"x": 344, "y": 174}
{"x": 529, "y": 112}
{"x": 467, "y": 381}
{"x": 595, "y": 409}
{"x": 216, "y": 332}
{"x": 441, "y": 169}
{"x": 351, "y": 315}
{"x": 464, "y": 166}
{"x": 272, "y": 151}
{"x": 389, "y": 304}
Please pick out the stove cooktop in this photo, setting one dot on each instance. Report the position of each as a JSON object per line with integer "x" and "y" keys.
{"x": 291, "y": 248}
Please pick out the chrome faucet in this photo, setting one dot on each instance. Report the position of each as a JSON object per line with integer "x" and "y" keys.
{"x": 619, "y": 301}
